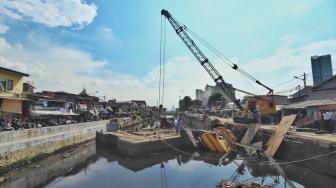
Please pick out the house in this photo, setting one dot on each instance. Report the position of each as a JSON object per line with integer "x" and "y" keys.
{"x": 126, "y": 106}
{"x": 47, "y": 107}
{"x": 83, "y": 103}
{"x": 11, "y": 93}
{"x": 301, "y": 95}
{"x": 325, "y": 90}
{"x": 140, "y": 103}
{"x": 322, "y": 97}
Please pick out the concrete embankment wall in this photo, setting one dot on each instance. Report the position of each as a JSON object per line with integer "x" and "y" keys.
{"x": 137, "y": 149}
{"x": 40, "y": 173}
{"x": 26, "y": 144}
{"x": 196, "y": 121}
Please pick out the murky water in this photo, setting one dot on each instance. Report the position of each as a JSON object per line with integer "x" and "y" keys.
{"x": 85, "y": 167}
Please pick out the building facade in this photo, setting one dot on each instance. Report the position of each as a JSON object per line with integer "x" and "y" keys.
{"x": 11, "y": 93}
{"x": 208, "y": 91}
{"x": 321, "y": 68}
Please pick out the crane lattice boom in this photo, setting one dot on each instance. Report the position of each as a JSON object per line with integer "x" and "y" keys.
{"x": 227, "y": 88}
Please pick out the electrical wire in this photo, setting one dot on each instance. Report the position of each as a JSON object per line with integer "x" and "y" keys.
{"x": 283, "y": 83}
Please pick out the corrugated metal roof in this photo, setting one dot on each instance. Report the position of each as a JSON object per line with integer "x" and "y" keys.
{"x": 304, "y": 104}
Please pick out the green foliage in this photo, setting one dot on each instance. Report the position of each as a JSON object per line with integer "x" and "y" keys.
{"x": 215, "y": 98}
{"x": 196, "y": 103}
{"x": 185, "y": 103}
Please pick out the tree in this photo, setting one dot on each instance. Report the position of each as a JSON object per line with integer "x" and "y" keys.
{"x": 196, "y": 103}
{"x": 215, "y": 98}
{"x": 185, "y": 103}
{"x": 244, "y": 100}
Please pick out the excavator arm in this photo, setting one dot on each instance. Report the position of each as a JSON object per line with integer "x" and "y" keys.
{"x": 179, "y": 29}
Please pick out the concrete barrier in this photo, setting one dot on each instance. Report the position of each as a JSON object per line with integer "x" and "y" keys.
{"x": 26, "y": 144}
{"x": 196, "y": 121}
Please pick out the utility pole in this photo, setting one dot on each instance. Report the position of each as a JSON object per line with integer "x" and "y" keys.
{"x": 304, "y": 79}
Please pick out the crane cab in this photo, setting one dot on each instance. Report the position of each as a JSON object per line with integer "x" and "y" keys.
{"x": 265, "y": 104}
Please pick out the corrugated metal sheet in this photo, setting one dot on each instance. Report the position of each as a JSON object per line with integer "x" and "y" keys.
{"x": 304, "y": 104}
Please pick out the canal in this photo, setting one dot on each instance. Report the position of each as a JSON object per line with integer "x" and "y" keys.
{"x": 85, "y": 166}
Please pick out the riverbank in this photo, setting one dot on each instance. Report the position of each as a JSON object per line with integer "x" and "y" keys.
{"x": 21, "y": 146}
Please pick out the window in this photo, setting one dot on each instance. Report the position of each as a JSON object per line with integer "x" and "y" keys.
{"x": 9, "y": 84}
{"x": 3, "y": 85}
{"x": 271, "y": 105}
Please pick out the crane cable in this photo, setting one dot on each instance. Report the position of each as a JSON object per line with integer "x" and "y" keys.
{"x": 159, "y": 101}
{"x": 162, "y": 73}
{"x": 218, "y": 53}
{"x": 164, "y": 61}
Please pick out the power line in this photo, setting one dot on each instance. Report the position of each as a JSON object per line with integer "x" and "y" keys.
{"x": 283, "y": 83}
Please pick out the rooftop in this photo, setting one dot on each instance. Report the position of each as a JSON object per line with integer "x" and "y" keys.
{"x": 14, "y": 71}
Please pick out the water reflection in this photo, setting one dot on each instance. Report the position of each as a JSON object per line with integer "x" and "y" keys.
{"x": 88, "y": 167}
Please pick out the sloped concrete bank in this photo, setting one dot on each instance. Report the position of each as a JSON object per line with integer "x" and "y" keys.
{"x": 23, "y": 145}
{"x": 40, "y": 173}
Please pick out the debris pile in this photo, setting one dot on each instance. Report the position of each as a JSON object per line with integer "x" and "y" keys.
{"x": 229, "y": 184}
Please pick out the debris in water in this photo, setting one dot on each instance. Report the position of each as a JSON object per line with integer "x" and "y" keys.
{"x": 229, "y": 184}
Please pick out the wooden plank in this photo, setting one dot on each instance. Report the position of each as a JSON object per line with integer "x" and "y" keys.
{"x": 249, "y": 134}
{"x": 191, "y": 137}
{"x": 279, "y": 134}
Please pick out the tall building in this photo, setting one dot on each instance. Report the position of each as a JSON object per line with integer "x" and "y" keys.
{"x": 208, "y": 91}
{"x": 321, "y": 68}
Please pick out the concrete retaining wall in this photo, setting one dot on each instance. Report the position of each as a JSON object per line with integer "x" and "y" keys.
{"x": 137, "y": 149}
{"x": 43, "y": 172}
{"x": 196, "y": 121}
{"x": 23, "y": 145}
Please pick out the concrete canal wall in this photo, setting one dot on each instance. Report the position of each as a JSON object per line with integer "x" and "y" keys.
{"x": 196, "y": 121}
{"x": 42, "y": 172}
{"x": 22, "y": 145}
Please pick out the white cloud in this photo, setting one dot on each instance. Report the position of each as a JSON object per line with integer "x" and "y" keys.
{"x": 106, "y": 34}
{"x": 3, "y": 28}
{"x": 55, "y": 67}
{"x": 67, "y": 13}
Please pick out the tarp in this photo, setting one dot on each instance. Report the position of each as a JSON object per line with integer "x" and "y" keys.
{"x": 52, "y": 113}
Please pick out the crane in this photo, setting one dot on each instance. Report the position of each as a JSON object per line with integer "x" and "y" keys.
{"x": 202, "y": 59}
{"x": 264, "y": 103}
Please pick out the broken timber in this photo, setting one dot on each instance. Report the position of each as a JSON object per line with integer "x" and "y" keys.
{"x": 250, "y": 133}
{"x": 279, "y": 134}
{"x": 190, "y": 136}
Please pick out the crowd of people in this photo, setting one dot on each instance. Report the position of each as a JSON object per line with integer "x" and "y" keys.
{"x": 325, "y": 120}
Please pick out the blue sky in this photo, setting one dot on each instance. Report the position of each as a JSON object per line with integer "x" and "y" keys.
{"x": 118, "y": 43}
